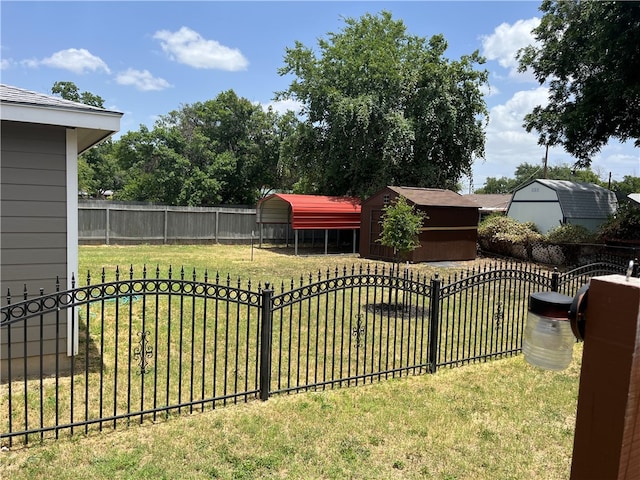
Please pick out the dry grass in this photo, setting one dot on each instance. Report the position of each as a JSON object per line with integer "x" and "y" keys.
{"x": 496, "y": 420}
{"x": 269, "y": 264}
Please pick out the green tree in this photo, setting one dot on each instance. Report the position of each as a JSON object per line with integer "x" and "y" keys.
{"x": 588, "y": 52}
{"x": 70, "y": 91}
{"x": 98, "y": 169}
{"x": 629, "y": 184}
{"x": 401, "y": 224}
{"x": 622, "y": 225}
{"x": 383, "y": 107}
{"x": 497, "y": 185}
{"x": 222, "y": 151}
{"x": 102, "y": 172}
{"x": 155, "y": 172}
{"x": 525, "y": 172}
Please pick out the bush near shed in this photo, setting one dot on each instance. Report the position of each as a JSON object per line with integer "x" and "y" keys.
{"x": 564, "y": 245}
{"x": 569, "y": 233}
{"x": 623, "y": 225}
{"x": 506, "y": 236}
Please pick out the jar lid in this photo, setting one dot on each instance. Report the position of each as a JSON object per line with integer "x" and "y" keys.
{"x": 550, "y": 304}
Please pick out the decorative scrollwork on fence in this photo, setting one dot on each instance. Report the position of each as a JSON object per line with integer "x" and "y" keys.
{"x": 358, "y": 331}
{"x": 498, "y": 316}
{"x": 142, "y": 352}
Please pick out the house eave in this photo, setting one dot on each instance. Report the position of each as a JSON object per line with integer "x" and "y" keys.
{"x": 93, "y": 125}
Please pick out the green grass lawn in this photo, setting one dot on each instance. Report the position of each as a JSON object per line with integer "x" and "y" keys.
{"x": 270, "y": 264}
{"x": 495, "y": 420}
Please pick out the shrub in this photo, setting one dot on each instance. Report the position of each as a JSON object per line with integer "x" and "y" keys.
{"x": 502, "y": 228}
{"x": 401, "y": 225}
{"x": 623, "y": 225}
{"x": 506, "y": 236}
{"x": 568, "y": 233}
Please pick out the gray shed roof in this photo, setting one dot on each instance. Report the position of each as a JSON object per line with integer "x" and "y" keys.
{"x": 582, "y": 200}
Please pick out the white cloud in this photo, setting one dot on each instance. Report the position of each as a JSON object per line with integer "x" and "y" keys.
{"x": 618, "y": 158}
{"x": 188, "y": 47}
{"x": 30, "y": 63}
{"x": 73, "y": 59}
{"x": 142, "y": 80}
{"x": 507, "y": 142}
{"x": 505, "y": 41}
{"x": 489, "y": 90}
{"x": 510, "y": 116}
{"x": 282, "y": 106}
{"x": 5, "y": 63}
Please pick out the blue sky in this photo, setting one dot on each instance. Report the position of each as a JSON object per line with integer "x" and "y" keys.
{"x": 148, "y": 58}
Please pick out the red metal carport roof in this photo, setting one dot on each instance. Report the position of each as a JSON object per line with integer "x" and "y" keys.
{"x": 310, "y": 212}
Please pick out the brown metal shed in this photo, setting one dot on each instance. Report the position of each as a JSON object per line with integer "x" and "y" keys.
{"x": 449, "y": 233}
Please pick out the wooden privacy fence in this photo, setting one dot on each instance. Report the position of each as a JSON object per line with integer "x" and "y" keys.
{"x": 159, "y": 345}
{"x": 103, "y": 222}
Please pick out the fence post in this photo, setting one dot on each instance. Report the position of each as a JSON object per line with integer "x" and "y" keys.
{"x": 166, "y": 225}
{"x": 555, "y": 280}
{"x": 434, "y": 323}
{"x": 265, "y": 343}
{"x": 107, "y": 225}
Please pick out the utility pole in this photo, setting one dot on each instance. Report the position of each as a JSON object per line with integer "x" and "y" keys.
{"x": 546, "y": 157}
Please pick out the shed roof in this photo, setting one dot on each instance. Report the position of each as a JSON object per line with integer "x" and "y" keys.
{"x": 581, "y": 200}
{"x": 490, "y": 201}
{"x": 93, "y": 124}
{"x": 310, "y": 212}
{"x": 434, "y": 197}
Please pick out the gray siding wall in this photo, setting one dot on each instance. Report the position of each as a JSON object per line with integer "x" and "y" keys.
{"x": 34, "y": 225}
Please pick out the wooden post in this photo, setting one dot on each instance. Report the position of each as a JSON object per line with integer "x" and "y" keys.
{"x": 107, "y": 226}
{"x": 607, "y": 435}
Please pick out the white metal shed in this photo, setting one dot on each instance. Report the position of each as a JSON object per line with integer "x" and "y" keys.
{"x": 549, "y": 203}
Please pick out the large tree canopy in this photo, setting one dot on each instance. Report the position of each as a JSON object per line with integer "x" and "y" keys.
{"x": 588, "y": 52}
{"x": 224, "y": 150}
{"x": 98, "y": 169}
{"x": 382, "y": 107}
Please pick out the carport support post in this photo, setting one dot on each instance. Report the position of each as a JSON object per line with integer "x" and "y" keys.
{"x": 326, "y": 241}
{"x": 607, "y": 436}
{"x": 265, "y": 343}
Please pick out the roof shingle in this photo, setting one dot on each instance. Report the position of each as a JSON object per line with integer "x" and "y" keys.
{"x": 582, "y": 200}
{"x": 434, "y": 197}
{"x": 10, "y": 94}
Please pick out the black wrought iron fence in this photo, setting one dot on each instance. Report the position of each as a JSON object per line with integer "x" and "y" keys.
{"x": 129, "y": 350}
